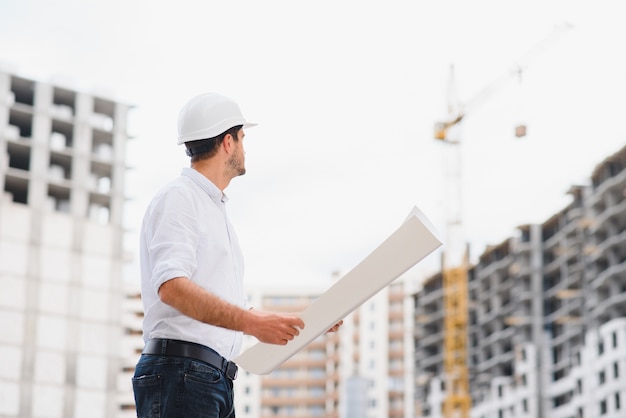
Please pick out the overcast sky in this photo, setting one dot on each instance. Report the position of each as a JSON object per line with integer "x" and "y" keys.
{"x": 346, "y": 94}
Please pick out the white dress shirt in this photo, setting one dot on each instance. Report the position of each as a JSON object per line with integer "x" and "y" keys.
{"x": 186, "y": 233}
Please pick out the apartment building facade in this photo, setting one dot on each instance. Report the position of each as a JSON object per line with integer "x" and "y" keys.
{"x": 377, "y": 360}
{"x": 62, "y": 171}
{"x": 365, "y": 370}
{"x": 306, "y": 384}
{"x": 546, "y": 314}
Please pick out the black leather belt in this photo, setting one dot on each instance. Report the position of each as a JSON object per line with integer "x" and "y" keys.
{"x": 176, "y": 348}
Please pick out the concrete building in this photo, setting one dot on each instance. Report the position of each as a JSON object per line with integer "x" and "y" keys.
{"x": 365, "y": 370}
{"x": 377, "y": 347}
{"x": 306, "y": 385}
{"x": 131, "y": 346}
{"x": 547, "y": 312}
{"x": 506, "y": 330}
{"x": 62, "y": 170}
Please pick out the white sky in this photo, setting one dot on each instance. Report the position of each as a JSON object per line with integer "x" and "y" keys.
{"x": 346, "y": 94}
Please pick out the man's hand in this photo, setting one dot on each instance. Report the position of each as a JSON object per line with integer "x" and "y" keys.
{"x": 336, "y": 327}
{"x": 273, "y": 328}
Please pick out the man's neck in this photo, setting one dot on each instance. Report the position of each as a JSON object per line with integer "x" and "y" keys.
{"x": 213, "y": 172}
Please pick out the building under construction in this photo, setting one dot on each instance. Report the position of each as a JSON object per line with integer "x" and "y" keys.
{"x": 62, "y": 172}
{"x": 546, "y": 314}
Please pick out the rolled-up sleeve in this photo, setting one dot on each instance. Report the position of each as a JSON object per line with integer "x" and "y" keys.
{"x": 171, "y": 238}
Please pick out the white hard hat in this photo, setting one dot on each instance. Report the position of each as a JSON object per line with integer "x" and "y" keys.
{"x": 207, "y": 116}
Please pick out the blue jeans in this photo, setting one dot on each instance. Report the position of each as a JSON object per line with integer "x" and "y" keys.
{"x": 176, "y": 387}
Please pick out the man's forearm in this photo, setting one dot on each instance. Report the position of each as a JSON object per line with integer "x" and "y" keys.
{"x": 197, "y": 303}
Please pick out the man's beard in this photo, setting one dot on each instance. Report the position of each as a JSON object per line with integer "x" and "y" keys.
{"x": 236, "y": 165}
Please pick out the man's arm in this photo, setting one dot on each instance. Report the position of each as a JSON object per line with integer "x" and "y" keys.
{"x": 195, "y": 302}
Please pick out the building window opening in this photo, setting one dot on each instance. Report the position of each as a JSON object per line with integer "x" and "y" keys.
{"x": 61, "y": 136}
{"x": 63, "y": 104}
{"x": 21, "y": 124}
{"x": 23, "y": 91}
{"x": 603, "y": 407}
{"x": 60, "y": 167}
{"x": 19, "y": 156}
{"x": 17, "y": 188}
{"x": 59, "y": 198}
{"x": 102, "y": 145}
{"x": 103, "y": 114}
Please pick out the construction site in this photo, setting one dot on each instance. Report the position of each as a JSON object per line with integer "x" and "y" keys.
{"x": 529, "y": 326}
{"x": 541, "y": 328}
{"x": 535, "y": 328}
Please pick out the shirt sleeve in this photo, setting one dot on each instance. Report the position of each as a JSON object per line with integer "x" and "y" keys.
{"x": 171, "y": 236}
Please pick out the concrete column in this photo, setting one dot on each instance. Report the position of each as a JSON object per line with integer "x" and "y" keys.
{"x": 37, "y": 193}
{"x": 40, "y": 156}
{"x": 5, "y": 105}
{"x": 82, "y": 156}
{"x": 119, "y": 165}
{"x": 538, "y": 334}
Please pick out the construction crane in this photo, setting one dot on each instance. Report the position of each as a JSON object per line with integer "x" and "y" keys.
{"x": 457, "y": 401}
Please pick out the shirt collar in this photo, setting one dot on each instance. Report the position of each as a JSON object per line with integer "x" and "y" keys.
{"x": 205, "y": 184}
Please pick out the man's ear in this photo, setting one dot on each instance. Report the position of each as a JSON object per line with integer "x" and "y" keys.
{"x": 228, "y": 143}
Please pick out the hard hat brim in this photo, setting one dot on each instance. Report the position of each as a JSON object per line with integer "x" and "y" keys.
{"x": 212, "y": 132}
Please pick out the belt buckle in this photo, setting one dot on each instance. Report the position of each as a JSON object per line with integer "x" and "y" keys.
{"x": 231, "y": 370}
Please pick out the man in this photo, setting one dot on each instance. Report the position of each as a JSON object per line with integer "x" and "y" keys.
{"x": 192, "y": 276}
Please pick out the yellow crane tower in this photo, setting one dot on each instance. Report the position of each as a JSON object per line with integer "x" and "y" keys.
{"x": 457, "y": 400}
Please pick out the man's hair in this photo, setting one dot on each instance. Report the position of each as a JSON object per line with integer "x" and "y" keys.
{"x": 203, "y": 149}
